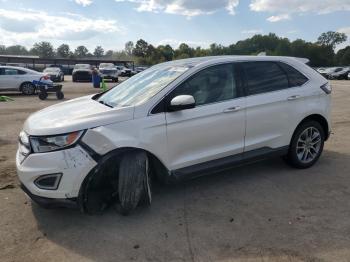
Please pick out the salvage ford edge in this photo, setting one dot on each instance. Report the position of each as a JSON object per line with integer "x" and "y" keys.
{"x": 176, "y": 120}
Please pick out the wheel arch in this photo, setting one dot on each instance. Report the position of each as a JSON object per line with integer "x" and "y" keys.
{"x": 318, "y": 118}
{"x": 111, "y": 159}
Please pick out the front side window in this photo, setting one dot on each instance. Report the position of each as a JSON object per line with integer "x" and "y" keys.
{"x": 263, "y": 77}
{"x": 211, "y": 85}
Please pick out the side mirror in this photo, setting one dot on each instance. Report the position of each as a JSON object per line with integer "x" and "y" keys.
{"x": 182, "y": 102}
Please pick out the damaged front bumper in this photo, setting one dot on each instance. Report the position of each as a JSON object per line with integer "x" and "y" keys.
{"x": 72, "y": 165}
{"x": 51, "y": 202}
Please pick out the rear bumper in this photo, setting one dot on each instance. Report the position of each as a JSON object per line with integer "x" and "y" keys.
{"x": 51, "y": 202}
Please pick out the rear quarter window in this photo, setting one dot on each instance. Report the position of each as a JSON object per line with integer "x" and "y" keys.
{"x": 295, "y": 78}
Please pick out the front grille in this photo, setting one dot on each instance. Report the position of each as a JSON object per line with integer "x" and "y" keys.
{"x": 108, "y": 71}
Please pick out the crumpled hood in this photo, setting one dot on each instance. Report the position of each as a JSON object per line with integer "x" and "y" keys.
{"x": 73, "y": 115}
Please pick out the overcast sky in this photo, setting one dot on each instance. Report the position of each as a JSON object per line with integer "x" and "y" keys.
{"x": 111, "y": 23}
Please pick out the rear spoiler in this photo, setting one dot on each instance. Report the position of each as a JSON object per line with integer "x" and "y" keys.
{"x": 300, "y": 59}
{"x": 303, "y": 60}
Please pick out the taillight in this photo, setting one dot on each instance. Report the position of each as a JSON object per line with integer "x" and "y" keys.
{"x": 46, "y": 77}
{"x": 326, "y": 88}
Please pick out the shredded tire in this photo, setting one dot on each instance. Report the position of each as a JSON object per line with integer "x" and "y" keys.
{"x": 134, "y": 183}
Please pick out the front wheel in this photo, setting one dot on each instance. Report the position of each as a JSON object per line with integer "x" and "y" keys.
{"x": 306, "y": 145}
{"x": 134, "y": 181}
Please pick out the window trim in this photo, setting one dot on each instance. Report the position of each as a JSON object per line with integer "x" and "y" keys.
{"x": 239, "y": 85}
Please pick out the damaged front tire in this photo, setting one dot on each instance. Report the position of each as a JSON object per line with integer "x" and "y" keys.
{"x": 134, "y": 181}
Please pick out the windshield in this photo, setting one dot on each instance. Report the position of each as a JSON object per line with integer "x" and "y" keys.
{"x": 81, "y": 66}
{"x": 104, "y": 65}
{"x": 141, "y": 87}
{"x": 52, "y": 69}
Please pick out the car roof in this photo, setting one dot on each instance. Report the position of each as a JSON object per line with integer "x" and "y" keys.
{"x": 192, "y": 62}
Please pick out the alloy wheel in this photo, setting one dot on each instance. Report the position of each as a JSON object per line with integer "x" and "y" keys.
{"x": 308, "y": 145}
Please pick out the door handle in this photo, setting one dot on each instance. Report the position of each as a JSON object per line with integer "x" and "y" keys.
{"x": 291, "y": 98}
{"x": 232, "y": 109}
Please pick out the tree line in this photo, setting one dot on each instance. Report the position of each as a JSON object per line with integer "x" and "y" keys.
{"x": 320, "y": 53}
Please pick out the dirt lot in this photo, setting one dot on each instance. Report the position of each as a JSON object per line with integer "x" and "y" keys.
{"x": 262, "y": 212}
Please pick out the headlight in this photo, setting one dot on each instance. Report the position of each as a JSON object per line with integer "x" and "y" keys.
{"x": 42, "y": 144}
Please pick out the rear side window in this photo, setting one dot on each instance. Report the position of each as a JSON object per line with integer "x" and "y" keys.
{"x": 263, "y": 77}
{"x": 295, "y": 78}
{"x": 12, "y": 71}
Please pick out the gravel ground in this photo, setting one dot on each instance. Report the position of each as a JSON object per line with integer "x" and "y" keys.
{"x": 262, "y": 212}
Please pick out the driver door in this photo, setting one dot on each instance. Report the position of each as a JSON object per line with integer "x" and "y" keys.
{"x": 215, "y": 127}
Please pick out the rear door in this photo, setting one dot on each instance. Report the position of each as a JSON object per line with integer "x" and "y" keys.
{"x": 272, "y": 104}
{"x": 215, "y": 127}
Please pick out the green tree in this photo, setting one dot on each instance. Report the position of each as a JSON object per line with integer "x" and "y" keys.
{"x": 99, "y": 52}
{"x": 81, "y": 51}
{"x": 141, "y": 48}
{"x": 166, "y": 52}
{"x": 184, "y": 51}
{"x": 331, "y": 39}
{"x": 129, "y": 47}
{"x": 343, "y": 56}
{"x": 109, "y": 53}
{"x": 2, "y": 49}
{"x": 43, "y": 49}
{"x": 16, "y": 50}
{"x": 63, "y": 51}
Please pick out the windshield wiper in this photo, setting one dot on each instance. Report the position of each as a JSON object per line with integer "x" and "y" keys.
{"x": 105, "y": 103}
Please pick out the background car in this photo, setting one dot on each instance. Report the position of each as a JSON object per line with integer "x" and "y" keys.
{"x": 18, "y": 79}
{"x": 82, "y": 72}
{"x": 341, "y": 73}
{"x": 55, "y": 73}
{"x": 109, "y": 71}
{"x": 124, "y": 71}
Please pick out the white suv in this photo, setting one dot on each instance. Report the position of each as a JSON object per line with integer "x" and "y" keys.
{"x": 173, "y": 121}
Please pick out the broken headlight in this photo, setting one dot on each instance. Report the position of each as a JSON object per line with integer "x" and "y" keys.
{"x": 41, "y": 144}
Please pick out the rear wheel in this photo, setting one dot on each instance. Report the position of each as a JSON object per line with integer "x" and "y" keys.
{"x": 134, "y": 181}
{"x": 307, "y": 145}
{"x": 28, "y": 89}
{"x": 59, "y": 95}
{"x": 42, "y": 96}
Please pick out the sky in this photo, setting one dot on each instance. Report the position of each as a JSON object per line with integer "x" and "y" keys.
{"x": 111, "y": 23}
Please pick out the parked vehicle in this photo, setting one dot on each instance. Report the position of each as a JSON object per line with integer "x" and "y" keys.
{"x": 340, "y": 73}
{"x": 55, "y": 73}
{"x": 109, "y": 71}
{"x": 334, "y": 72}
{"x": 124, "y": 71}
{"x": 18, "y": 79}
{"x": 82, "y": 72}
{"x": 139, "y": 69}
{"x": 173, "y": 121}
